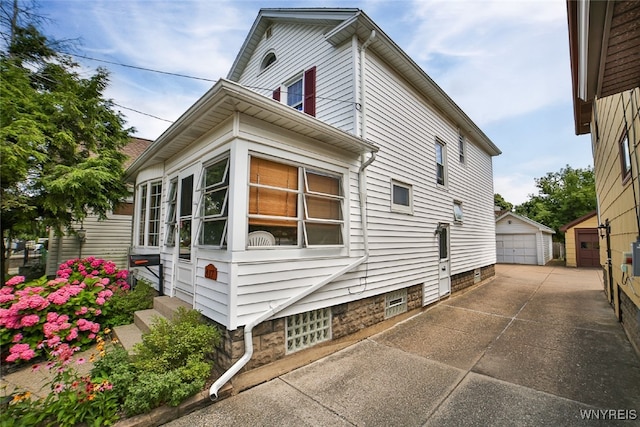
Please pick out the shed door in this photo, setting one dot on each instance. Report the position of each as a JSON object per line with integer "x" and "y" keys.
{"x": 516, "y": 249}
{"x": 587, "y": 247}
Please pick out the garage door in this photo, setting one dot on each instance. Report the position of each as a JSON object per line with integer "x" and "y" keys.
{"x": 516, "y": 249}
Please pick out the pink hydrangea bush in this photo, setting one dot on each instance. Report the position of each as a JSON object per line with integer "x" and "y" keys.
{"x": 43, "y": 314}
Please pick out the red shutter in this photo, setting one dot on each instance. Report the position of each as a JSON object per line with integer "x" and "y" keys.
{"x": 310, "y": 91}
{"x": 276, "y": 94}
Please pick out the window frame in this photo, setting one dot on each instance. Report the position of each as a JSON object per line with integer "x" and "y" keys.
{"x": 223, "y": 215}
{"x": 398, "y": 207}
{"x": 458, "y": 219}
{"x": 149, "y": 212}
{"x": 303, "y": 218}
{"x": 441, "y": 166}
{"x": 462, "y": 148}
{"x": 625, "y": 156}
{"x": 172, "y": 212}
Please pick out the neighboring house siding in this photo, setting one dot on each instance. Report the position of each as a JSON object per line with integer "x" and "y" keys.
{"x": 108, "y": 240}
{"x": 298, "y": 48}
{"x": 616, "y": 198}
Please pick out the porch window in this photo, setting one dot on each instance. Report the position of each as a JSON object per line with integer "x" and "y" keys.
{"x": 171, "y": 213}
{"x": 186, "y": 216}
{"x": 149, "y": 214}
{"x": 297, "y": 205}
{"x": 213, "y": 206}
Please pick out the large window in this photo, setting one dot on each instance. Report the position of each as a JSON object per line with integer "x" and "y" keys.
{"x": 213, "y": 207}
{"x": 440, "y": 165}
{"x": 149, "y": 214}
{"x": 296, "y": 205}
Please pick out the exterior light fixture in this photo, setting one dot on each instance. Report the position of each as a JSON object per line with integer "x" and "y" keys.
{"x": 604, "y": 229}
{"x": 81, "y": 234}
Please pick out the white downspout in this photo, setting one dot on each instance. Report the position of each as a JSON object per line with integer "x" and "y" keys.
{"x": 248, "y": 329}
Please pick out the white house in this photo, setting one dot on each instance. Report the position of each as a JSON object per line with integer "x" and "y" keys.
{"x": 327, "y": 184}
{"x": 520, "y": 240}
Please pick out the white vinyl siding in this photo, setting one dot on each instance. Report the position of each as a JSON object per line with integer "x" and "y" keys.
{"x": 300, "y": 47}
{"x": 109, "y": 240}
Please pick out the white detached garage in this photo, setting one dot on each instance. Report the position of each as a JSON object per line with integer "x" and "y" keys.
{"x": 520, "y": 240}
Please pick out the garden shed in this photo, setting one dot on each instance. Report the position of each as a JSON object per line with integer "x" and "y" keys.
{"x": 582, "y": 244}
{"x": 520, "y": 240}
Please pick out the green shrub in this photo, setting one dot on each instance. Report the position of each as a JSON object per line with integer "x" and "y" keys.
{"x": 120, "y": 308}
{"x": 170, "y": 344}
{"x": 170, "y": 364}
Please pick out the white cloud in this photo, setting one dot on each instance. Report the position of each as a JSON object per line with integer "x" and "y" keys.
{"x": 496, "y": 59}
{"x": 514, "y": 188}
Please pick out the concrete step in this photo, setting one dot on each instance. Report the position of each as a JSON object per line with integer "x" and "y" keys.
{"x": 167, "y": 306}
{"x": 128, "y": 336}
{"x": 144, "y": 319}
{"x": 163, "y": 307}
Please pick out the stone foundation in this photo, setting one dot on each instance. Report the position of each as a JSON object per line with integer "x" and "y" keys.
{"x": 269, "y": 337}
{"x": 630, "y": 318}
{"x": 464, "y": 280}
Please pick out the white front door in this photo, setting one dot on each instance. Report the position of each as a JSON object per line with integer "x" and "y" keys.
{"x": 444, "y": 274}
{"x": 185, "y": 263}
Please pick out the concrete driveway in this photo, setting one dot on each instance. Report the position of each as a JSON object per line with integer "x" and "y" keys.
{"x": 535, "y": 346}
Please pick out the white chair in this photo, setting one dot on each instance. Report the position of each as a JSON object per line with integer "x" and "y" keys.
{"x": 261, "y": 238}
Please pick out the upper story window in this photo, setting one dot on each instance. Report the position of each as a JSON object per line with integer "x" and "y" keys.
{"x": 293, "y": 205}
{"x": 401, "y": 197}
{"x": 625, "y": 158}
{"x": 462, "y": 149}
{"x": 300, "y": 92}
{"x": 268, "y": 59}
{"x": 214, "y": 203}
{"x": 440, "y": 163}
{"x": 149, "y": 213}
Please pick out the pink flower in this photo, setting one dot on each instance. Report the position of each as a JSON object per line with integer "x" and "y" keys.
{"x": 27, "y": 355}
{"x": 100, "y": 301}
{"x": 15, "y": 280}
{"x": 58, "y": 388}
{"x": 53, "y": 341}
{"x": 81, "y": 361}
{"x": 30, "y": 320}
{"x": 91, "y": 336}
{"x": 6, "y": 298}
{"x": 82, "y": 312}
{"x": 17, "y": 338}
{"x": 95, "y": 328}
{"x": 73, "y": 334}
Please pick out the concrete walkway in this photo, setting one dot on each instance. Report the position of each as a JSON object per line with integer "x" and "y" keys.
{"x": 536, "y": 346}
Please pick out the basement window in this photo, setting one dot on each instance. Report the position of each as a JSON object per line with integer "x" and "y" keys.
{"x": 307, "y": 329}
{"x": 395, "y": 303}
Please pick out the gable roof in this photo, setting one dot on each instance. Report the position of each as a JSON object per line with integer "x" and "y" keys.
{"x": 578, "y": 221}
{"x": 354, "y": 21}
{"x": 541, "y": 227}
{"x": 223, "y": 100}
{"x": 134, "y": 149}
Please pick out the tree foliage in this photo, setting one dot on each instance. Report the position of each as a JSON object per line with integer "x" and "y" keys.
{"x": 562, "y": 197}
{"x": 60, "y": 138}
{"x": 500, "y": 202}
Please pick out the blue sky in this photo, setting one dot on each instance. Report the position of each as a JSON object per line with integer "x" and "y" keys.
{"x": 504, "y": 62}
